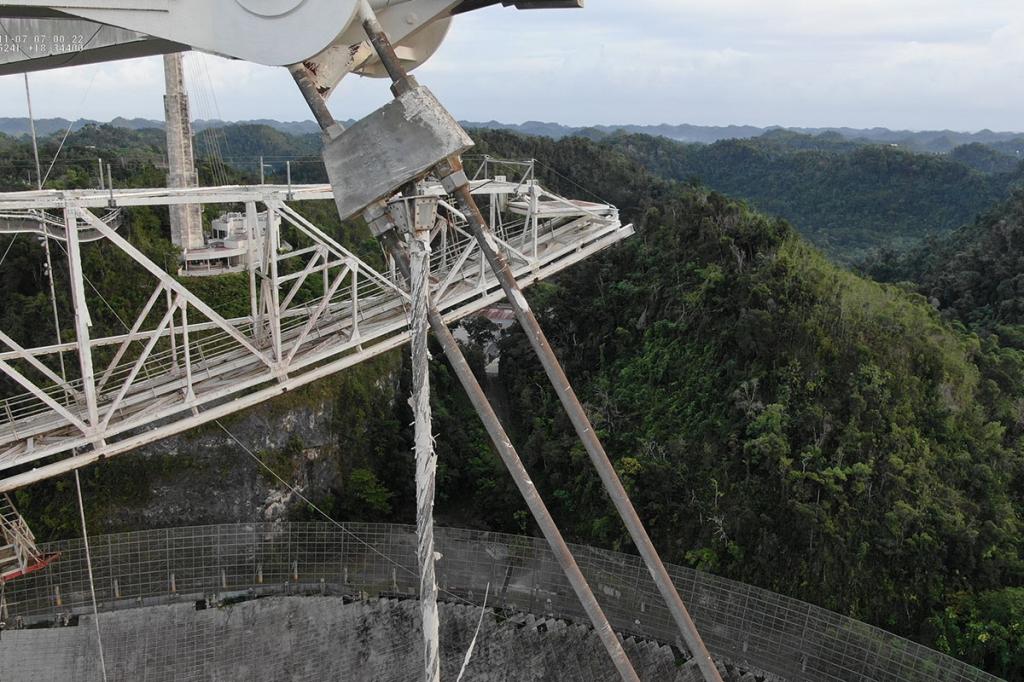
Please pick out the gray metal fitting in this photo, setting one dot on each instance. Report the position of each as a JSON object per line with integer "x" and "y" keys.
{"x": 378, "y": 218}
{"x": 415, "y": 213}
{"x": 333, "y": 132}
{"x": 454, "y": 181}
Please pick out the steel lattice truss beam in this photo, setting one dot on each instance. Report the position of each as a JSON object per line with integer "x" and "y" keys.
{"x": 315, "y": 309}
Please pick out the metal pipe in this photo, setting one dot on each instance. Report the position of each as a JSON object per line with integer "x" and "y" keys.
{"x": 510, "y": 457}
{"x": 585, "y": 430}
{"x": 316, "y": 102}
{"x": 401, "y": 82}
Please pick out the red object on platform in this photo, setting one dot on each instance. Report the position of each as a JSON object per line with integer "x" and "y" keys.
{"x": 42, "y": 563}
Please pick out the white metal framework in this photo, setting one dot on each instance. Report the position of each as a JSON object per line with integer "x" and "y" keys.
{"x": 19, "y": 555}
{"x": 313, "y": 310}
{"x": 317, "y": 309}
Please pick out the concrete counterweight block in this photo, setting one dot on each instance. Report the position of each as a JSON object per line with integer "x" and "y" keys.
{"x": 394, "y": 145}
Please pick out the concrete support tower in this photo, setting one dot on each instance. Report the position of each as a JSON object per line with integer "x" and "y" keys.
{"x": 186, "y": 220}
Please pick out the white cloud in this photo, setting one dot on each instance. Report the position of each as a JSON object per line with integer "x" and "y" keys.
{"x": 898, "y": 63}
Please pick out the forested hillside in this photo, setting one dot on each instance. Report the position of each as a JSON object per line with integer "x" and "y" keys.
{"x": 777, "y": 419}
{"x": 847, "y": 198}
{"x": 241, "y": 145}
{"x": 986, "y": 159}
{"x": 925, "y": 141}
{"x": 975, "y": 274}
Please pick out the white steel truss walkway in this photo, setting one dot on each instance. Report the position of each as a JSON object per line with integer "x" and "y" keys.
{"x": 314, "y": 310}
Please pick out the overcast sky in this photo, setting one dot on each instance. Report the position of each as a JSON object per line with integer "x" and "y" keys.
{"x": 916, "y": 64}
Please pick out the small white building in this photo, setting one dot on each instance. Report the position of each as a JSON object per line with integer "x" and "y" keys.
{"x": 227, "y": 248}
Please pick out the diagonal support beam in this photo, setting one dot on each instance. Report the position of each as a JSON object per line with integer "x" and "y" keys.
{"x": 317, "y": 314}
{"x": 321, "y": 237}
{"x": 46, "y": 371}
{"x": 45, "y": 398}
{"x": 136, "y": 326}
{"x": 514, "y": 463}
{"x": 300, "y": 279}
{"x": 141, "y": 361}
{"x": 456, "y": 269}
{"x": 172, "y": 284}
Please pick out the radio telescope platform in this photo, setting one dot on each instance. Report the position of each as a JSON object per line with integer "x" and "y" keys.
{"x": 314, "y": 309}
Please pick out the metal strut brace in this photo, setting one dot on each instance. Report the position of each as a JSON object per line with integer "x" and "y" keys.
{"x": 454, "y": 179}
{"x": 514, "y": 464}
{"x": 502, "y": 443}
{"x": 585, "y": 430}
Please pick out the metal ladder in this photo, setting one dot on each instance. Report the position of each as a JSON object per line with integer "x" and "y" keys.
{"x": 19, "y": 554}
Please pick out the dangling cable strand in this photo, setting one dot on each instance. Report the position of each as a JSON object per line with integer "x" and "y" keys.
{"x": 426, "y": 455}
{"x": 476, "y": 635}
{"x": 329, "y": 518}
{"x": 67, "y": 131}
{"x": 92, "y": 585}
{"x": 10, "y": 246}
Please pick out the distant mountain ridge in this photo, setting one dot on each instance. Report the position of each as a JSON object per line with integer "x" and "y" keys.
{"x": 933, "y": 141}
{"x": 16, "y": 127}
{"x": 848, "y": 198}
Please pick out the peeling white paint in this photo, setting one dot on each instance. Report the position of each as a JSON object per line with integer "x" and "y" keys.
{"x": 520, "y": 300}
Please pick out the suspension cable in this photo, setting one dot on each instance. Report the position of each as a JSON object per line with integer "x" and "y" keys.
{"x": 295, "y": 491}
{"x": 46, "y": 238}
{"x": 97, "y": 292}
{"x": 218, "y": 131}
{"x": 9, "y": 247}
{"x": 92, "y": 585}
{"x": 67, "y": 132}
